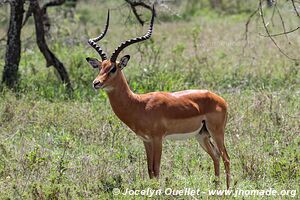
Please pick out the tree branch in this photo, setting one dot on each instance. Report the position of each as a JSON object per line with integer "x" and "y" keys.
{"x": 52, "y": 4}
{"x": 268, "y": 32}
{"x": 283, "y": 33}
{"x": 51, "y": 59}
{"x": 281, "y": 19}
{"x": 295, "y": 8}
{"x": 28, "y": 14}
{"x": 134, "y": 5}
{"x": 248, "y": 22}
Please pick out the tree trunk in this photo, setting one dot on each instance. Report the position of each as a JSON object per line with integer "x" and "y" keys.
{"x": 13, "y": 48}
{"x": 51, "y": 59}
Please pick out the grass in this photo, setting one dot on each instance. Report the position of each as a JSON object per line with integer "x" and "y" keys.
{"x": 53, "y": 146}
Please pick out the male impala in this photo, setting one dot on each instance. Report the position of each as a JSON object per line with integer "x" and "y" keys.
{"x": 158, "y": 115}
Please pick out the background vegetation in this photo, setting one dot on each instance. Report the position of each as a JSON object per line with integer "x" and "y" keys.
{"x": 57, "y": 146}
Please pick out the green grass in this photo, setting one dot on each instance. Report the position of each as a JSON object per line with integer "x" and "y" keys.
{"x": 55, "y": 146}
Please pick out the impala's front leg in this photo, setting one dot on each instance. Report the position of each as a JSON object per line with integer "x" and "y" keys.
{"x": 149, "y": 153}
{"x": 157, "y": 150}
{"x": 153, "y": 152}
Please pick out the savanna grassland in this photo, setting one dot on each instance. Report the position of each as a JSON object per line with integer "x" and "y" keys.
{"x": 59, "y": 146}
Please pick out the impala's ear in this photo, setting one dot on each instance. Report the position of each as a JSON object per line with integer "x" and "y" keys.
{"x": 93, "y": 62}
{"x": 123, "y": 61}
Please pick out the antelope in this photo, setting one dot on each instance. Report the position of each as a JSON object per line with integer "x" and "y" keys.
{"x": 156, "y": 116}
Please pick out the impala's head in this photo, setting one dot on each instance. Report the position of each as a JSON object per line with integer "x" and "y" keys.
{"x": 109, "y": 69}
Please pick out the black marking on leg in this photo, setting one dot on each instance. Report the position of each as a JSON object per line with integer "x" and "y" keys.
{"x": 203, "y": 129}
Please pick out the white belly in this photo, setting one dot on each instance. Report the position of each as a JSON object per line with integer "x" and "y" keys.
{"x": 182, "y": 136}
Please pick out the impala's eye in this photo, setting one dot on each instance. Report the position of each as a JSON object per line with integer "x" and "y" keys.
{"x": 113, "y": 69}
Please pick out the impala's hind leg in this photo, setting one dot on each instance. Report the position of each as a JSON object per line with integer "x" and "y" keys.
{"x": 220, "y": 144}
{"x": 217, "y": 133}
{"x": 204, "y": 140}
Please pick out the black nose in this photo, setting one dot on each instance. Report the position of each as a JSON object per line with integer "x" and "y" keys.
{"x": 97, "y": 84}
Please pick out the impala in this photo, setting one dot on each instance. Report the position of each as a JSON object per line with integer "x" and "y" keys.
{"x": 158, "y": 115}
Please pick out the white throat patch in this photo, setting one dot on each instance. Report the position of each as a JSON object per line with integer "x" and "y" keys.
{"x": 108, "y": 88}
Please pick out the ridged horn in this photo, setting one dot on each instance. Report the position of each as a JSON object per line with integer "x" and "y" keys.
{"x": 125, "y": 44}
{"x": 93, "y": 41}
